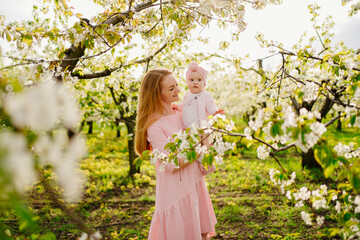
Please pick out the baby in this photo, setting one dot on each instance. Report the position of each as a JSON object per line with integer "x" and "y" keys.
{"x": 197, "y": 103}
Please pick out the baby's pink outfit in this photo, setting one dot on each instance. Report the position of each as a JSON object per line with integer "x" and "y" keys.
{"x": 196, "y": 107}
{"x": 183, "y": 208}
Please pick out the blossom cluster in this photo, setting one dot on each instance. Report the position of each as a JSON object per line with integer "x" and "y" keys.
{"x": 347, "y": 151}
{"x": 336, "y": 201}
{"x": 277, "y": 178}
{"x": 285, "y": 123}
{"x": 187, "y": 144}
{"x": 310, "y": 91}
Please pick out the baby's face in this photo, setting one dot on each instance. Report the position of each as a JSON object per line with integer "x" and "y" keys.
{"x": 196, "y": 82}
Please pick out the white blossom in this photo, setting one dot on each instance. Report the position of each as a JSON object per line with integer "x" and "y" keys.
{"x": 321, "y": 203}
{"x": 288, "y": 195}
{"x": 310, "y": 91}
{"x": 357, "y": 200}
{"x": 318, "y": 128}
{"x": 247, "y": 132}
{"x": 320, "y": 220}
{"x": 299, "y": 204}
{"x": 96, "y": 236}
{"x": 219, "y": 160}
{"x": 306, "y": 217}
{"x": 9, "y": 88}
{"x": 334, "y": 198}
{"x": 303, "y": 194}
{"x": 262, "y": 152}
{"x": 338, "y": 206}
{"x": 289, "y": 118}
{"x": 354, "y": 228}
{"x": 303, "y": 112}
{"x": 157, "y": 156}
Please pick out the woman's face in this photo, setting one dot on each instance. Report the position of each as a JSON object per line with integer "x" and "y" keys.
{"x": 169, "y": 89}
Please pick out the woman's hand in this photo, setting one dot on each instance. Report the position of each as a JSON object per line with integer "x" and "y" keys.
{"x": 182, "y": 164}
{"x": 205, "y": 141}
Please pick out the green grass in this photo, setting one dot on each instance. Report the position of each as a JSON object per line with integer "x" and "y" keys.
{"x": 246, "y": 204}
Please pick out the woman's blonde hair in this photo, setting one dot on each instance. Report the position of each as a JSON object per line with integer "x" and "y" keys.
{"x": 150, "y": 107}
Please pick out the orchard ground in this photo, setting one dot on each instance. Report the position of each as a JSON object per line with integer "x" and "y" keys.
{"x": 247, "y": 205}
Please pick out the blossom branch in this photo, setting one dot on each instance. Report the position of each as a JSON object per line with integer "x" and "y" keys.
{"x": 37, "y": 61}
{"x": 275, "y": 150}
{"x": 56, "y": 198}
{"x": 277, "y": 160}
{"x": 314, "y": 58}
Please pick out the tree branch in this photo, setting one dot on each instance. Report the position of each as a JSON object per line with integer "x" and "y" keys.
{"x": 77, "y": 52}
{"x": 332, "y": 120}
{"x": 108, "y": 72}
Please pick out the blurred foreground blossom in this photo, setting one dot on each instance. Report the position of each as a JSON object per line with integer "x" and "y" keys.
{"x": 16, "y": 160}
{"x": 42, "y": 107}
{"x": 39, "y": 119}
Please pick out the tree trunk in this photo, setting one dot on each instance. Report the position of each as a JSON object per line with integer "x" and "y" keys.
{"x": 118, "y": 133}
{"x": 308, "y": 160}
{"x": 117, "y": 125}
{"x": 82, "y": 125}
{"x": 338, "y": 127}
{"x": 90, "y": 124}
{"x": 131, "y": 148}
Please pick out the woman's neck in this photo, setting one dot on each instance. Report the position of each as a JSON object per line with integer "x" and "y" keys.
{"x": 168, "y": 109}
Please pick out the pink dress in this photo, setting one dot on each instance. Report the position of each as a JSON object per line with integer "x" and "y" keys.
{"x": 183, "y": 208}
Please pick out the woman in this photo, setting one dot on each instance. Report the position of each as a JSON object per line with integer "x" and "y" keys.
{"x": 183, "y": 209}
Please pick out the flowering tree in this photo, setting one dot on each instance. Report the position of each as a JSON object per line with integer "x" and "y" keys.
{"x": 292, "y": 107}
{"x": 41, "y": 74}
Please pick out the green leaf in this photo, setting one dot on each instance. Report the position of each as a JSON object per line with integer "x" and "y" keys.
{"x": 138, "y": 161}
{"x": 8, "y": 37}
{"x": 336, "y": 58}
{"x": 276, "y": 129}
{"x": 355, "y": 180}
{"x": 273, "y": 130}
{"x": 27, "y": 219}
{"x": 21, "y": 29}
{"x": 347, "y": 216}
{"x": 329, "y": 170}
{"x": 352, "y": 120}
{"x": 48, "y": 236}
{"x": 170, "y": 145}
{"x": 191, "y": 156}
{"x": 334, "y": 231}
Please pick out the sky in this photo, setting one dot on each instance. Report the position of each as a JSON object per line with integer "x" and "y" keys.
{"x": 284, "y": 23}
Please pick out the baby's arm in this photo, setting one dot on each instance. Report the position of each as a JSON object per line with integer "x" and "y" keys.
{"x": 210, "y": 105}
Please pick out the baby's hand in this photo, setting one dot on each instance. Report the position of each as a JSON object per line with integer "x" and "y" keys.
{"x": 175, "y": 106}
{"x": 220, "y": 111}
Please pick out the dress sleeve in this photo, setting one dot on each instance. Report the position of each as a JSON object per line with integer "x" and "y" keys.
{"x": 157, "y": 138}
{"x": 210, "y": 105}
